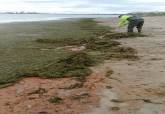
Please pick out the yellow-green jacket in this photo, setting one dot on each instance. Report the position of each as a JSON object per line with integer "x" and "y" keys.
{"x": 123, "y": 20}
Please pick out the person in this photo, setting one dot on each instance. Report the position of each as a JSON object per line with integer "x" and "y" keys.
{"x": 132, "y": 21}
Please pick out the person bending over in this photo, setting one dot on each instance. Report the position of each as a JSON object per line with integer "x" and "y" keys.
{"x": 132, "y": 21}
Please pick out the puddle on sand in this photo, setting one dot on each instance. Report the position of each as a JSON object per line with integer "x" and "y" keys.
{"x": 105, "y": 103}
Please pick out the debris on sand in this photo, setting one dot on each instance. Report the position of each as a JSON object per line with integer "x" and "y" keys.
{"x": 42, "y": 113}
{"x": 73, "y": 65}
{"x": 117, "y": 101}
{"x": 55, "y": 100}
{"x": 114, "y": 35}
{"x": 81, "y": 96}
{"x": 109, "y": 73}
{"x": 39, "y": 91}
{"x": 115, "y": 108}
{"x": 74, "y": 86}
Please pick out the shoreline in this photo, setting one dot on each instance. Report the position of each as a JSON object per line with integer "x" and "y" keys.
{"x": 37, "y": 21}
{"x": 12, "y": 18}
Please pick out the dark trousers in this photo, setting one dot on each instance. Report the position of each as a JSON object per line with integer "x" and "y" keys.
{"x": 138, "y": 23}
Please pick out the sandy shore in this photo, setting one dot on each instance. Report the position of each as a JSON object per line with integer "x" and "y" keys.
{"x": 19, "y": 49}
{"x": 138, "y": 86}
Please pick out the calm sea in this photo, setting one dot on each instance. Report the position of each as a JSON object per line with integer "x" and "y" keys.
{"x": 7, "y": 18}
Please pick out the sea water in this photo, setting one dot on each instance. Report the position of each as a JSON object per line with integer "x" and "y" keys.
{"x": 7, "y": 18}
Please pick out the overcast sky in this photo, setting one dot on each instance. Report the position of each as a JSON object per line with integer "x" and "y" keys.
{"x": 82, "y": 6}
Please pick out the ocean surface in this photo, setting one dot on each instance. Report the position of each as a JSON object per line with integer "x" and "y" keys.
{"x": 7, "y": 18}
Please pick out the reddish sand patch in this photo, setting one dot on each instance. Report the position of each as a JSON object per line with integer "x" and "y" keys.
{"x": 23, "y": 99}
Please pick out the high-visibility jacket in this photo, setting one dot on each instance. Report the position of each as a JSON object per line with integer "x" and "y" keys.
{"x": 123, "y": 20}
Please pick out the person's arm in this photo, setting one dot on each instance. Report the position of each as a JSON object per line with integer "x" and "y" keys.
{"x": 122, "y": 22}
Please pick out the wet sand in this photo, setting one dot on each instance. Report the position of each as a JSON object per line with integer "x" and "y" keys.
{"x": 138, "y": 85}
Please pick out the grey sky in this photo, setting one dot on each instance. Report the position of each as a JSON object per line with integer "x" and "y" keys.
{"x": 82, "y": 6}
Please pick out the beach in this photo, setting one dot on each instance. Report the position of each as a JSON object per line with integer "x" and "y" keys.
{"x": 138, "y": 86}
{"x": 29, "y": 48}
{"x": 134, "y": 87}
